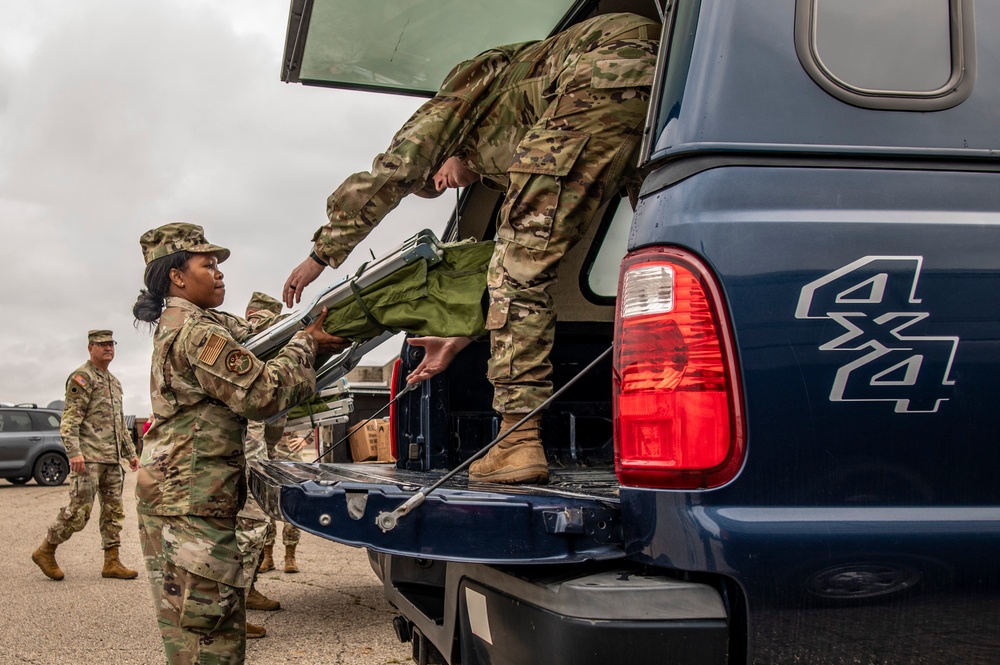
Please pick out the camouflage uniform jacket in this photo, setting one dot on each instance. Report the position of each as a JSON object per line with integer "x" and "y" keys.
{"x": 204, "y": 387}
{"x": 92, "y": 422}
{"x": 482, "y": 111}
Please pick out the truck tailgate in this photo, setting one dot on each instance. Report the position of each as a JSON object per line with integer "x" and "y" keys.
{"x": 461, "y": 521}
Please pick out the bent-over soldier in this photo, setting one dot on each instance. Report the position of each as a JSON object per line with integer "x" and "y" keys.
{"x": 556, "y": 124}
{"x": 96, "y": 439}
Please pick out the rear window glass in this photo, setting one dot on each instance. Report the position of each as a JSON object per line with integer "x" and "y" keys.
{"x": 890, "y": 54}
{"x": 45, "y": 421}
{"x": 409, "y": 47}
{"x": 602, "y": 276}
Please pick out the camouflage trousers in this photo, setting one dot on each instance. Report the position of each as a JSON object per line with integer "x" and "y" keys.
{"x": 195, "y": 573}
{"x": 290, "y": 534}
{"x": 579, "y": 155}
{"x": 101, "y": 481}
{"x": 252, "y": 525}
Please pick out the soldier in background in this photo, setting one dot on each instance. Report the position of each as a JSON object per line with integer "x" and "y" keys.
{"x": 291, "y": 448}
{"x": 96, "y": 439}
{"x": 557, "y": 125}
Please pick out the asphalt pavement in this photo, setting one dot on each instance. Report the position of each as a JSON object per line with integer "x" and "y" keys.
{"x": 332, "y": 611}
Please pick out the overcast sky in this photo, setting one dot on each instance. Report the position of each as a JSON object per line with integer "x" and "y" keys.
{"x": 117, "y": 116}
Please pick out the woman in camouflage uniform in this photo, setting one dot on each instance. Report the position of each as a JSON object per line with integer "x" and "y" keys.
{"x": 204, "y": 386}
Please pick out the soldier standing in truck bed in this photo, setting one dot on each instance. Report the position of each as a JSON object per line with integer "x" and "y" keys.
{"x": 557, "y": 125}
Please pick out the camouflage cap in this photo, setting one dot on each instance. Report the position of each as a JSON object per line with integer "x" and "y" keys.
{"x": 98, "y": 336}
{"x": 262, "y": 301}
{"x": 178, "y": 237}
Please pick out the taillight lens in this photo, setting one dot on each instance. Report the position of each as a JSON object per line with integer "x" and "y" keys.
{"x": 678, "y": 419}
{"x": 394, "y": 382}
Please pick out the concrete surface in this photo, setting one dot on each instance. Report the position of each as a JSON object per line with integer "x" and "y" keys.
{"x": 332, "y": 612}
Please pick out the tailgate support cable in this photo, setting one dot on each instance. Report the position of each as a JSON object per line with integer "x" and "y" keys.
{"x": 387, "y": 520}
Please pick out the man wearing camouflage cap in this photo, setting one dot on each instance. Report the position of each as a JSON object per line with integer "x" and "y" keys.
{"x": 96, "y": 439}
{"x": 557, "y": 125}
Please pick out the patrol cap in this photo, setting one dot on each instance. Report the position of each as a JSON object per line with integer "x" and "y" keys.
{"x": 98, "y": 336}
{"x": 178, "y": 237}
{"x": 262, "y": 301}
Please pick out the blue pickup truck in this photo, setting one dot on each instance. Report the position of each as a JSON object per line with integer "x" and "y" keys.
{"x": 790, "y": 456}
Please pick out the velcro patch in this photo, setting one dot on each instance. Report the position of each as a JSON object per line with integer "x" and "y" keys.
{"x": 81, "y": 380}
{"x": 213, "y": 347}
{"x": 239, "y": 362}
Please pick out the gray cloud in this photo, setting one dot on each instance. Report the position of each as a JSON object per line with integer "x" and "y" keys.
{"x": 117, "y": 116}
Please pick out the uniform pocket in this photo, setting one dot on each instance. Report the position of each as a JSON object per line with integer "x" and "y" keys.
{"x": 496, "y": 317}
{"x": 623, "y": 72}
{"x": 548, "y": 152}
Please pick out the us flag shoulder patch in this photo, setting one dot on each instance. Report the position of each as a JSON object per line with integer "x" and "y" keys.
{"x": 79, "y": 379}
{"x": 213, "y": 347}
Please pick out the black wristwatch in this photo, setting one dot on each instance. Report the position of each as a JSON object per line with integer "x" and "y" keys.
{"x": 315, "y": 257}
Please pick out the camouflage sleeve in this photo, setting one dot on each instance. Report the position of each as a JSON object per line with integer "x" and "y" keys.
{"x": 126, "y": 445}
{"x": 432, "y": 134}
{"x": 79, "y": 388}
{"x": 250, "y": 387}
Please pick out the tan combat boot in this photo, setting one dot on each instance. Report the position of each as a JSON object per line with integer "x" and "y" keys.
{"x": 258, "y": 601}
{"x": 254, "y": 631}
{"x": 290, "y": 566}
{"x": 45, "y": 558}
{"x": 519, "y": 458}
{"x": 114, "y": 568}
{"x": 267, "y": 563}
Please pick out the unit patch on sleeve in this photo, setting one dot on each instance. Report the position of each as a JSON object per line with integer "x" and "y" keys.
{"x": 213, "y": 347}
{"x": 239, "y": 362}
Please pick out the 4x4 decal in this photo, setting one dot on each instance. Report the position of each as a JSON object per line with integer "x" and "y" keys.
{"x": 874, "y": 300}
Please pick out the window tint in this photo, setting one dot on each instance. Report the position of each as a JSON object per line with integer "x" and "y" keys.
{"x": 890, "y": 54}
{"x": 885, "y": 45}
{"x": 410, "y": 47}
{"x": 15, "y": 421}
{"x": 45, "y": 421}
{"x": 602, "y": 277}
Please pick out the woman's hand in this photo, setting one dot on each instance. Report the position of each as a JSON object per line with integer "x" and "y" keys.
{"x": 327, "y": 343}
{"x": 438, "y": 354}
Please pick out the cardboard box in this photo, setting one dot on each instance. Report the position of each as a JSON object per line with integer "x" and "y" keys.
{"x": 364, "y": 442}
{"x": 384, "y": 442}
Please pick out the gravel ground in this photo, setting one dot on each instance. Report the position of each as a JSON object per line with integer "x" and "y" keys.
{"x": 332, "y": 612}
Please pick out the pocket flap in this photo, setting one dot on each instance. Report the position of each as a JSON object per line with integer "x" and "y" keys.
{"x": 548, "y": 151}
{"x": 623, "y": 72}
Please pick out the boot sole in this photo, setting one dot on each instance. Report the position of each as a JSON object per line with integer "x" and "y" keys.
{"x": 112, "y": 576}
{"x": 529, "y": 475}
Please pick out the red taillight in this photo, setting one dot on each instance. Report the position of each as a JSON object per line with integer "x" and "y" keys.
{"x": 396, "y": 369}
{"x": 678, "y": 419}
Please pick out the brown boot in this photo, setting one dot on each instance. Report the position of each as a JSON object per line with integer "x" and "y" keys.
{"x": 519, "y": 458}
{"x": 290, "y": 566}
{"x": 114, "y": 568}
{"x": 267, "y": 563}
{"x": 45, "y": 558}
{"x": 258, "y": 601}
{"x": 254, "y": 631}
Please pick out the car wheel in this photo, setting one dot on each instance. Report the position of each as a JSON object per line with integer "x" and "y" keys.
{"x": 20, "y": 480}
{"x": 51, "y": 469}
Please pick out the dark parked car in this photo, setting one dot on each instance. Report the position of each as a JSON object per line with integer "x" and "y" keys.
{"x": 30, "y": 446}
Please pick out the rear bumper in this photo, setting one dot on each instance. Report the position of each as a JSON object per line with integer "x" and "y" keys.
{"x": 562, "y": 615}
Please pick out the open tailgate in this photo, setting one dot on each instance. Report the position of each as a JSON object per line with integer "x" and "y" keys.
{"x": 462, "y": 521}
